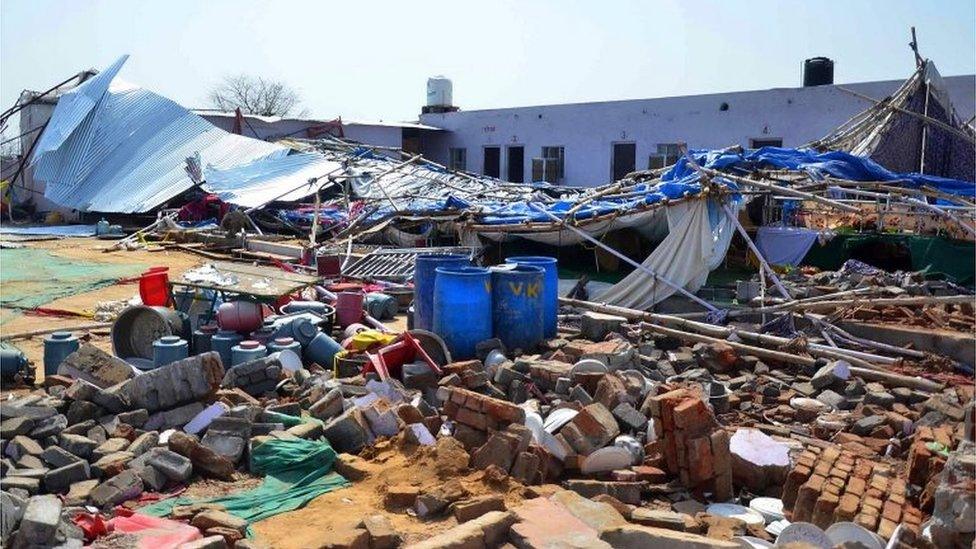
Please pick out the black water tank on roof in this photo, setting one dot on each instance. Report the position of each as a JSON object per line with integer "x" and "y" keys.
{"x": 818, "y": 71}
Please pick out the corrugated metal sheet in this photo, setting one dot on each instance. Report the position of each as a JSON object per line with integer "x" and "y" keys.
{"x": 265, "y": 180}
{"x": 119, "y": 148}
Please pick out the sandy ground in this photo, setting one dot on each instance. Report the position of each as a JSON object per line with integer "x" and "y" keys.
{"x": 388, "y": 464}
{"x": 88, "y": 250}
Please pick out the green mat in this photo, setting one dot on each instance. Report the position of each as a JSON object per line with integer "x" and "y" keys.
{"x": 30, "y": 277}
{"x": 296, "y": 472}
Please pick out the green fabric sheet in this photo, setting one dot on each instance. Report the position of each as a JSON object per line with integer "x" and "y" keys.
{"x": 296, "y": 472}
{"x": 31, "y": 277}
{"x": 938, "y": 255}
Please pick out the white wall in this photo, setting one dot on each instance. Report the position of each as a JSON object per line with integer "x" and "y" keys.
{"x": 381, "y": 136}
{"x": 587, "y": 130}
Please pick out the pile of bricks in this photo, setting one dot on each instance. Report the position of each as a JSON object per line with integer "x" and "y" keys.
{"x": 924, "y": 465}
{"x": 477, "y": 415}
{"x": 832, "y": 485}
{"x": 691, "y": 442}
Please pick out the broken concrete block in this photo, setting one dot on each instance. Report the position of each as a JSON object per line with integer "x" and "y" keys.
{"x": 204, "y": 460}
{"x": 758, "y": 460}
{"x": 95, "y": 366}
{"x": 174, "y": 466}
{"x": 838, "y": 370}
{"x": 327, "y": 407}
{"x": 470, "y": 509}
{"x": 122, "y": 487}
{"x": 596, "y": 326}
{"x": 382, "y": 535}
{"x": 633, "y": 536}
{"x": 14, "y": 426}
{"x": 50, "y": 426}
{"x": 152, "y": 478}
{"x": 11, "y": 511}
{"x": 60, "y": 479}
{"x": 40, "y": 520}
{"x": 209, "y": 542}
{"x": 21, "y": 446}
{"x": 143, "y": 443}
{"x": 348, "y": 432}
{"x": 179, "y": 382}
{"x": 79, "y": 492}
{"x": 212, "y": 517}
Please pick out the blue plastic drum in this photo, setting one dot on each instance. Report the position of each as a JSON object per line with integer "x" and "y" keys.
{"x": 516, "y": 306}
{"x": 550, "y": 289}
{"x": 423, "y": 285}
{"x": 462, "y": 308}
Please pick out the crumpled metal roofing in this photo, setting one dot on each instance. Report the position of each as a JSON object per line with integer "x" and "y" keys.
{"x": 113, "y": 147}
{"x": 265, "y": 180}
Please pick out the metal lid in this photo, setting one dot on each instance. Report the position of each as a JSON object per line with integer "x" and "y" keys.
{"x": 250, "y": 344}
{"x": 170, "y": 339}
{"x": 284, "y": 341}
{"x": 62, "y": 335}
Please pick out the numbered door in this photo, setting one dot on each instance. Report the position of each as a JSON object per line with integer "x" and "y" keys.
{"x": 516, "y": 164}
{"x": 624, "y": 159}
{"x": 492, "y": 162}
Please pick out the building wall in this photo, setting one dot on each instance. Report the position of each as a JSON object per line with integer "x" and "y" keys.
{"x": 380, "y": 136}
{"x": 588, "y": 130}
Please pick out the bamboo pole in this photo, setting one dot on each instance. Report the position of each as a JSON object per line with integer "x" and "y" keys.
{"x": 43, "y": 331}
{"x": 925, "y": 119}
{"x": 865, "y": 360}
{"x": 781, "y": 190}
{"x": 779, "y": 356}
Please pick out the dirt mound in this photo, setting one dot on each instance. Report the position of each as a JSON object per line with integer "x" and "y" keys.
{"x": 388, "y": 463}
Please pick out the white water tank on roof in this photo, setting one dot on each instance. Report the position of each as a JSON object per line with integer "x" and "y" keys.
{"x": 439, "y": 91}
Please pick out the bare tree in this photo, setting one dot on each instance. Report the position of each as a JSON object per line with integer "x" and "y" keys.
{"x": 255, "y": 95}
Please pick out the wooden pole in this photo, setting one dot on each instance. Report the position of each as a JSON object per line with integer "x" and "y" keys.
{"x": 43, "y": 331}
{"x": 896, "y": 380}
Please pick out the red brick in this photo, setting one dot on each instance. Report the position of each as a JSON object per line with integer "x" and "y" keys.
{"x": 693, "y": 415}
{"x": 872, "y": 503}
{"x": 891, "y": 511}
{"x": 700, "y": 466}
{"x": 886, "y": 528}
{"x": 856, "y": 486}
{"x": 807, "y": 495}
{"x": 472, "y": 418}
{"x": 880, "y": 483}
{"x": 823, "y": 510}
{"x": 650, "y": 474}
{"x": 867, "y": 520}
{"x": 846, "y": 508}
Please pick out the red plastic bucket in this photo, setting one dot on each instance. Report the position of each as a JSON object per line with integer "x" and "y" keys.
{"x": 240, "y": 316}
{"x": 349, "y": 308}
{"x": 154, "y": 288}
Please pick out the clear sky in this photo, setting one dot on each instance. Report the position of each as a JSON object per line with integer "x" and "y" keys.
{"x": 370, "y": 60}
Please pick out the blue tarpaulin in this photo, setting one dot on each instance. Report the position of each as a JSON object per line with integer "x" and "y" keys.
{"x": 838, "y": 164}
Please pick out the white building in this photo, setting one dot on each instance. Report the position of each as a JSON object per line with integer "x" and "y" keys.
{"x": 589, "y": 144}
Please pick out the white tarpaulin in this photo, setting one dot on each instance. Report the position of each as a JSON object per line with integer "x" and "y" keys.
{"x": 698, "y": 238}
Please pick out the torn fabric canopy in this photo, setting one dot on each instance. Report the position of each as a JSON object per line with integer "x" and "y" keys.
{"x": 697, "y": 241}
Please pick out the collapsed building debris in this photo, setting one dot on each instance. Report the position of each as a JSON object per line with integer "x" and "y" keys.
{"x": 797, "y": 410}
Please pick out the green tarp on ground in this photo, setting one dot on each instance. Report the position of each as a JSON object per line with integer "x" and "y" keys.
{"x": 939, "y": 255}
{"x": 31, "y": 277}
{"x": 296, "y": 472}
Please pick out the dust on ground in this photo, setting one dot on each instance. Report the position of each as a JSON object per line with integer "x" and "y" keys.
{"x": 389, "y": 463}
{"x": 87, "y": 250}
